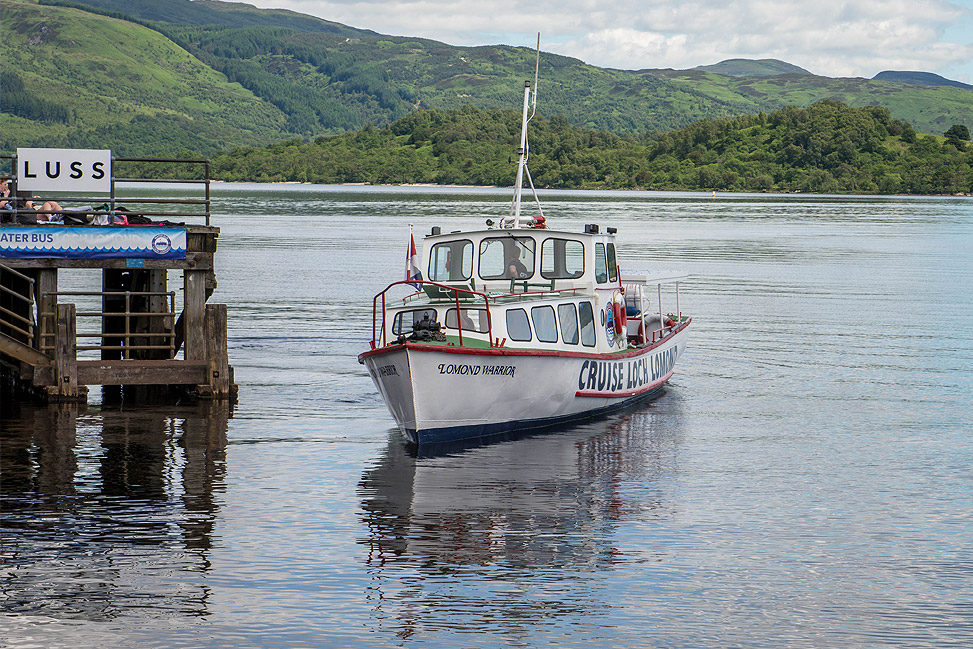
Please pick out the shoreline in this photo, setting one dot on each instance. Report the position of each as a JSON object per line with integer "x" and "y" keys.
{"x": 714, "y": 193}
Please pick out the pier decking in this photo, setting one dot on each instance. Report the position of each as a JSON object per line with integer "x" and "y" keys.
{"x": 129, "y": 333}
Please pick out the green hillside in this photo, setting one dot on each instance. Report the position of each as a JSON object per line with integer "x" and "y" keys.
{"x": 828, "y": 147}
{"x": 166, "y": 77}
{"x": 929, "y": 110}
{"x": 332, "y": 83}
{"x": 72, "y": 78}
{"x": 232, "y": 15}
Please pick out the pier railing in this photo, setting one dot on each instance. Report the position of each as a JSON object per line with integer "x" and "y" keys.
{"x": 196, "y": 172}
{"x": 128, "y": 340}
{"x": 14, "y": 304}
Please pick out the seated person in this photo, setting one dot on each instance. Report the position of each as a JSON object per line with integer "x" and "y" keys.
{"x": 516, "y": 268}
{"x": 50, "y": 207}
{"x": 4, "y": 195}
{"x": 53, "y": 209}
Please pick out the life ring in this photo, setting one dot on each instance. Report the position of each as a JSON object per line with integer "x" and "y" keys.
{"x": 621, "y": 316}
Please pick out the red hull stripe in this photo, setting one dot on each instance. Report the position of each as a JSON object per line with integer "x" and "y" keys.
{"x": 625, "y": 394}
{"x": 500, "y": 351}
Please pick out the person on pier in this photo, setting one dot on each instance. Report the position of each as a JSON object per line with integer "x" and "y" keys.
{"x": 48, "y": 211}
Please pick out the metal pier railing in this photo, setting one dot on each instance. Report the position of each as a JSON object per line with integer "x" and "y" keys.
{"x": 127, "y": 340}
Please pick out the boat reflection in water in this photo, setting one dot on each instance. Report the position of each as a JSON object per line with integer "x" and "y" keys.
{"x": 107, "y": 512}
{"x": 511, "y": 534}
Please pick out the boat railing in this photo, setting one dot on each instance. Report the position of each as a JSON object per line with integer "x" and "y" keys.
{"x": 666, "y": 323}
{"x": 457, "y": 292}
{"x": 671, "y": 325}
{"x": 533, "y": 294}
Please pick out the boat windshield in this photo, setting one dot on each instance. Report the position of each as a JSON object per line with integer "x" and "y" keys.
{"x": 451, "y": 261}
{"x": 601, "y": 265}
{"x": 506, "y": 257}
{"x": 562, "y": 259}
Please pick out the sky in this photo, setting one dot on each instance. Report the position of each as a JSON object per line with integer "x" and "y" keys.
{"x": 834, "y": 38}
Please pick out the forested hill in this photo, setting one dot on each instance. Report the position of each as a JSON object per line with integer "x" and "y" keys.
{"x": 828, "y": 147}
{"x": 174, "y": 77}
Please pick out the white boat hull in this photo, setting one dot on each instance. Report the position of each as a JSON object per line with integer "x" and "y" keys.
{"x": 442, "y": 394}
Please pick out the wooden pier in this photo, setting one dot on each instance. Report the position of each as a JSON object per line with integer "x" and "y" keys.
{"x": 127, "y": 334}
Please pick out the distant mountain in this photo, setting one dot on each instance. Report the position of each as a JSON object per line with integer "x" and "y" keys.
{"x": 928, "y": 109}
{"x": 752, "y": 68}
{"x": 164, "y": 77}
{"x": 919, "y": 79}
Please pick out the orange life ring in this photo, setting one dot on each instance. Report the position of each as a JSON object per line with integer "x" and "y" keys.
{"x": 621, "y": 317}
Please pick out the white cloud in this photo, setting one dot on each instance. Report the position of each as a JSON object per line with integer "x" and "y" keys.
{"x": 829, "y": 37}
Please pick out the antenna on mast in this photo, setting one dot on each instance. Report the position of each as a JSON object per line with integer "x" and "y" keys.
{"x": 537, "y": 67}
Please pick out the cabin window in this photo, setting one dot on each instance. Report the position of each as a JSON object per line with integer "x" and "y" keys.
{"x": 518, "y": 328}
{"x": 451, "y": 261}
{"x": 612, "y": 264}
{"x": 474, "y": 320}
{"x": 567, "y": 316}
{"x": 562, "y": 259}
{"x": 544, "y": 324}
{"x": 405, "y": 321}
{"x": 587, "y": 317}
{"x": 601, "y": 265}
{"x": 507, "y": 257}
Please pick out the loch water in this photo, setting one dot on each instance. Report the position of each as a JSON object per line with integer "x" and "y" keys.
{"x": 806, "y": 480}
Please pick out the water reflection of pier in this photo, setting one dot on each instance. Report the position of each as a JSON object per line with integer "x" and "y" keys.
{"x": 512, "y": 534}
{"x": 107, "y": 512}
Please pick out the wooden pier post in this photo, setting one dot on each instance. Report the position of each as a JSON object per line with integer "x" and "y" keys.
{"x": 66, "y": 386}
{"x": 193, "y": 315}
{"x": 157, "y": 281}
{"x": 220, "y": 383}
{"x": 45, "y": 286}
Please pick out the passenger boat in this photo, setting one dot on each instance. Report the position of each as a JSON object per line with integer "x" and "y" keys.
{"x": 519, "y": 326}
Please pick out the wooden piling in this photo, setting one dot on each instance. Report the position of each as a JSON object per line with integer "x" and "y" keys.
{"x": 194, "y": 314}
{"x": 45, "y": 289}
{"x": 216, "y": 351}
{"x": 156, "y": 281}
{"x": 66, "y": 386}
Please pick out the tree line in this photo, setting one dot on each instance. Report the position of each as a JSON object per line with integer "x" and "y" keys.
{"x": 828, "y": 147}
{"x": 19, "y": 101}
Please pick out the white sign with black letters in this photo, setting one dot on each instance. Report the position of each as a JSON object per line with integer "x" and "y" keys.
{"x": 64, "y": 170}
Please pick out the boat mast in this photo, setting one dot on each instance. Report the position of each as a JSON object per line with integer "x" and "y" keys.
{"x": 522, "y": 151}
{"x": 518, "y": 187}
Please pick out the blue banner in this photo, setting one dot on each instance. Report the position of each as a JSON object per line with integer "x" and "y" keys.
{"x": 51, "y": 242}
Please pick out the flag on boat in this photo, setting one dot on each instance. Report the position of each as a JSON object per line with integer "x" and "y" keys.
{"x": 412, "y": 272}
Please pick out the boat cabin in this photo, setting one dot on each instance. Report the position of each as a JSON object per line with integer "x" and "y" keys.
{"x": 510, "y": 261}
{"x": 525, "y": 288}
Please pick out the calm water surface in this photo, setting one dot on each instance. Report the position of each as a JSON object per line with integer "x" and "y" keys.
{"x": 805, "y": 481}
